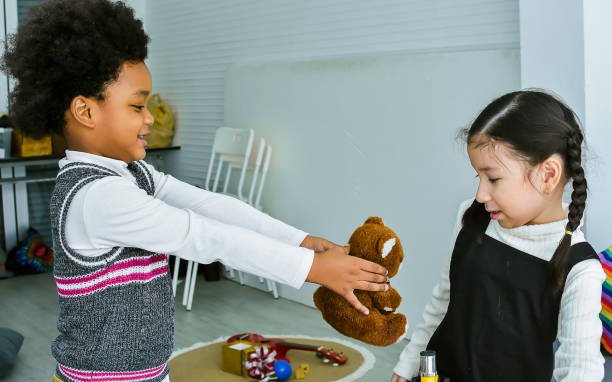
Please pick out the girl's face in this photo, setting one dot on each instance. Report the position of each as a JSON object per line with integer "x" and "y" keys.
{"x": 122, "y": 119}
{"x": 509, "y": 188}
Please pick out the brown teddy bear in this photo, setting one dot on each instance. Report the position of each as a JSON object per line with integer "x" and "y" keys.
{"x": 375, "y": 242}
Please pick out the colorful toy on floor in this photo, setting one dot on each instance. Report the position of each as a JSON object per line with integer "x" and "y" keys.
{"x": 375, "y": 242}
{"x": 282, "y": 347}
{"x": 283, "y": 370}
{"x": 264, "y": 359}
{"x": 303, "y": 370}
{"x": 606, "y": 300}
{"x": 31, "y": 255}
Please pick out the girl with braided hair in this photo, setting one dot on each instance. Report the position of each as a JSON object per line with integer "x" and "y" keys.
{"x": 521, "y": 274}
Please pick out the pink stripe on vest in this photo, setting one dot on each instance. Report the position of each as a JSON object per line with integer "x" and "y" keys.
{"x": 108, "y": 376}
{"x": 119, "y": 280}
{"x": 123, "y": 264}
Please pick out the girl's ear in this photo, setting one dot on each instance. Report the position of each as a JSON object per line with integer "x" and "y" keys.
{"x": 551, "y": 172}
{"x": 80, "y": 108}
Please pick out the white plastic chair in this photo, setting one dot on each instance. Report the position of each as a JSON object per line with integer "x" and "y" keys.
{"x": 258, "y": 164}
{"x": 255, "y": 199}
{"x": 262, "y": 179}
{"x": 230, "y": 145}
{"x": 256, "y": 203}
{"x": 234, "y": 148}
{"x": 254, "y": 166}
{"x": 236, "y": 156}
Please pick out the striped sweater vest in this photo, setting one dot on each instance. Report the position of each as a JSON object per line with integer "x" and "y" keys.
{"x": 116, "y": 309}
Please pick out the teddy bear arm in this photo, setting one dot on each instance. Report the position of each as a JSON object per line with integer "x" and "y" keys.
{"x": 366, "y": 298}
{"x": 387, "y": 301}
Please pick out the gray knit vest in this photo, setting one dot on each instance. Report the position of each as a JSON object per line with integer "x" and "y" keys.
{"x": 116, "y": 319}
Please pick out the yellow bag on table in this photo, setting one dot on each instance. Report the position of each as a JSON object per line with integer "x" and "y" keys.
{"x": 162, "y": 131}
{"x": 24, "y": 146}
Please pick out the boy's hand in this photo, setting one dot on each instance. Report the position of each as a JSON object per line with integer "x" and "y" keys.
{"x": 341, "y": 273}
{"x": 317, "y": 244}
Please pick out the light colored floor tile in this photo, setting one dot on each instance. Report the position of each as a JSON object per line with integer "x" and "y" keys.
{"x": 28, "y": 304}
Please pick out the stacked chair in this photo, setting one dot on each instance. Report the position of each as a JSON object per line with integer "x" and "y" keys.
{"x": 234, "y": 150}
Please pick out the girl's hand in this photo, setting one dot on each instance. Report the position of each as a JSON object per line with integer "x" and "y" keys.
{"x": 317, "y": 244}
{"x": 341, "y": 273}
{"x": 397, "y": 378}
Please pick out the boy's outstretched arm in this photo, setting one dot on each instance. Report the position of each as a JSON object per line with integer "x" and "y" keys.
{"x": 317, "y": 244}
{"x": 336, "y": 270}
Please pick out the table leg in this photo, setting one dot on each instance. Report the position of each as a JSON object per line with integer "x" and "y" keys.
{"x": 22, "y": 210}
{"x": 8, "y": 211}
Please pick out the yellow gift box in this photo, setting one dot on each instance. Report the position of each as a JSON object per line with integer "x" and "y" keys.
{"x": 234, "y": 354}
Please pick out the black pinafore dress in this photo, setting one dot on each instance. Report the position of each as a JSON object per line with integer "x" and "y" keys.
{"x": 502, "y": 314}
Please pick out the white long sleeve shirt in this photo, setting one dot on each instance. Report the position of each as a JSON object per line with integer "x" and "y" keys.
{"x": 183, "y": 220}
{"x": 578, "y": 357}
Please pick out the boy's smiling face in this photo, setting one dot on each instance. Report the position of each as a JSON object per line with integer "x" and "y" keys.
{"x": 121, "y": 121}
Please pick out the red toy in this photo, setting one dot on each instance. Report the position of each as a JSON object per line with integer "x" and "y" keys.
{"x": 282, "y": 347}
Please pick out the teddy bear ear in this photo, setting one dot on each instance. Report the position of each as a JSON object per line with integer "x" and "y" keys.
{"x": 374, "y": 220}
{"x": 385, "y": 246}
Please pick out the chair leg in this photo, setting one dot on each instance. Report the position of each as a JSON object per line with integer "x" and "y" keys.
{"x": 273, "y": 289}
{"x": 194, "y": 277}
{"x": 175, "y": 273}
{"x": 228, "y": 176}
{"x": 187, "y": 282}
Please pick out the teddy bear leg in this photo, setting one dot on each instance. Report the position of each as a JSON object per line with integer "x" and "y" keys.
{"x": 397, "y": 326}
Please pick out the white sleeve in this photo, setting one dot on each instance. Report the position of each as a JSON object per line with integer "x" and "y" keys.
{"x": 117, "y": 213}
{"x": 578, "y": 357}
{"x": 223, "y": 208}
{"x": 409, "y": 361}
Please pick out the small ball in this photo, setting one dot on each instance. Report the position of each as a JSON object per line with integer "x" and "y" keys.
{"x": 282, "y": 368}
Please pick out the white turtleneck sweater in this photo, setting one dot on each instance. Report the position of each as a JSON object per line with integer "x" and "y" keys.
{"x": 182, "y": 220}
{"x": 578, "y": 358}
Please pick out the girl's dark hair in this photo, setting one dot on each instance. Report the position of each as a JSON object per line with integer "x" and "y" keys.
{"x": 68, "y": 48}
{"x": 535, "y": 125}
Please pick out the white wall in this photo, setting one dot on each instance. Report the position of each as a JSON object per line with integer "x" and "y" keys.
{"x": 565, "y": 48}
{"x": 371, "y": 135}
{"x": 552, "y": 49}
{"x": 598, "y": 119}
{"x": 140, "y": 10}
{"x": 195, "y": 42}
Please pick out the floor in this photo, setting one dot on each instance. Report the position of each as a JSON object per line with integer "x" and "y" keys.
{"x": 28, "y": 304}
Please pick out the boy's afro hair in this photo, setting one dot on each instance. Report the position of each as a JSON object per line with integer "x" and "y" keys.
{"x": 65, "y": 49}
